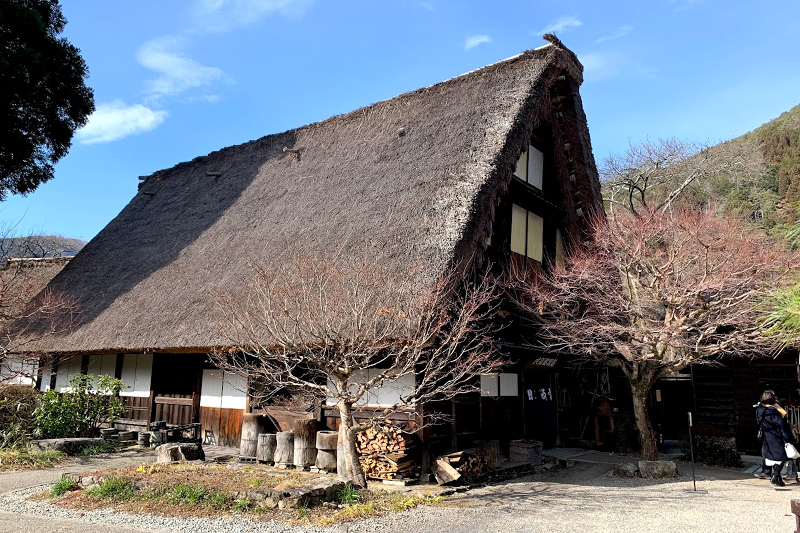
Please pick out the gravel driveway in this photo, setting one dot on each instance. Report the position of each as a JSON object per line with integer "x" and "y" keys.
{"x": 582, "y": 498}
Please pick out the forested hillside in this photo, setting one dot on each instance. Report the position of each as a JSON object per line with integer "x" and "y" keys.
{"x": 756, "y": 175}
{"x": 39, "y": 246}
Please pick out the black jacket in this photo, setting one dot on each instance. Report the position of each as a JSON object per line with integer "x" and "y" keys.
{"x": 775, "y": 433}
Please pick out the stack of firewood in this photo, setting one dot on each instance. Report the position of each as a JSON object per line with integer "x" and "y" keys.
{"x": 384, "y": 453}
{"x": 464, "y": 466}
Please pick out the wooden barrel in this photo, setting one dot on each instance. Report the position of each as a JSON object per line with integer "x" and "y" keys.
{"x": 267, "y": 442}
{"x": 144, "y": 439}
{"x": 326, "y": 440}
{"x": 326, "y": 460}
{"x": 252, "y": 425}
{"x": 284, "y": 448}
{"x": 305, "y": 442}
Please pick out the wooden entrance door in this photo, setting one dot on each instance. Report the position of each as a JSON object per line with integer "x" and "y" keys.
{"x": 176, "y": 388}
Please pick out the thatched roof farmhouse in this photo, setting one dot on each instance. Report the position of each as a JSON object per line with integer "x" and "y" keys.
{"x": 432, "y": 177}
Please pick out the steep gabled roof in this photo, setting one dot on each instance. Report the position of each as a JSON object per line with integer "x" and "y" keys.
{"x": 410, "y": 180}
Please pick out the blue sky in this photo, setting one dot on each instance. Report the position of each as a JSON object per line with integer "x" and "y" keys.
{"x": 176, "y": 80}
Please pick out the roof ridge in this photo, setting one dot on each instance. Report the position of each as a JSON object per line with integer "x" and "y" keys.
{"x": 577, "y": 72}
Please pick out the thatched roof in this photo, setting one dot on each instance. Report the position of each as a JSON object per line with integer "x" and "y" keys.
{"x": 410, "y": 180}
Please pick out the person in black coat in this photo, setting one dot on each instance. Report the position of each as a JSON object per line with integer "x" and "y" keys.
{"x": 775, "y": 435}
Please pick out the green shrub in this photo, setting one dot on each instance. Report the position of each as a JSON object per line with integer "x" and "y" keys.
{"x": 79, "y": 413}
{"x": 17, "y": 405}
{"x": 113, "y": 488}
{"x": 188, "y": 494}
{"x": 62, "y": 486}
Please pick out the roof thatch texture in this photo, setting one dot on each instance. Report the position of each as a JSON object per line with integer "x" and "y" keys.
{"x": 408, "y": 181}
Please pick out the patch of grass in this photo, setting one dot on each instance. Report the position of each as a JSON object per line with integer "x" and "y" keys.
{"x": 62, "y": 486}
{"x": 399, "y": 503}
{"x": 97, "y": 449}
{"x": 24, "y": 459}
{"x": 186, "y": 494}
{"x": 348, "y": 495}
{"x": 240, "y": 506}
{"x": 303, "y": 512}
{"x": 254, "y": 482}
{"x": 403, "y": 504}
{"x": 353, "y": 512}
{"x": 150, "y": 495}
{"x": 113, "y": 488}
{"x": 217, "y": 500}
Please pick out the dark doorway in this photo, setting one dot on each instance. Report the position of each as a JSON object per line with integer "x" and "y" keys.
{"x": 176, "y": 388}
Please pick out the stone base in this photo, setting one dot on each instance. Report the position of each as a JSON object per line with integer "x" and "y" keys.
{"x": 179, "y": 451}
{"x": 625, "y": 470}
{"x": 658, "y": 469}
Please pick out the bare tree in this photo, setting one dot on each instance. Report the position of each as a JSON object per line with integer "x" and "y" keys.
{"x": 657, "y": 291}
{"x": 340, "y": 330}
{"x": 28, "y": 311}
{"x": 652, "y": 175}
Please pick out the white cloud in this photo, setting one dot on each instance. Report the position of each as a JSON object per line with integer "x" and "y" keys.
{"x": 426, "y": 5}
{"x": 686, "y": 4}
{"x": 474, "y": 40}
{"x": 560, "y": 25}
{"x": 224, "y": 15}
{"x": 621, "y": 32}
{"x": 209, "y": 98}
{"x": 601, "y": 65}
{"x": 178, "y": 73}
{"x": 115, "y": 120}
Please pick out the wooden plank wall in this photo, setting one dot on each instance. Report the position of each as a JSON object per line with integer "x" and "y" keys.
{"x": 715, "y": 403}
{"x": 136, "y": 408}
{"x": 747, "y": 392}
{"x": 225, "y": 424}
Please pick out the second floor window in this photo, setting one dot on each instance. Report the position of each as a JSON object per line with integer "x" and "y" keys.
{"x": 527, "y": 233}
{"x": 530, "y": 167}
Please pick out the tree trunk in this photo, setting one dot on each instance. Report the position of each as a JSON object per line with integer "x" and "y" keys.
{"x": 353, "y": 471}
{"x": 640, "y": 390}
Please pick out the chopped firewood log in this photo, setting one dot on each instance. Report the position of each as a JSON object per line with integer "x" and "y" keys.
{"x": 383, "y": 453}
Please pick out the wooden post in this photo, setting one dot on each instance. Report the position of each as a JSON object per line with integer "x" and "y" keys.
{"x": 305, "y": 438}
{"x": 796, "y": 511}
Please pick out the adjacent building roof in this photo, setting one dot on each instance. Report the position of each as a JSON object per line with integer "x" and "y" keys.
{"x": 409, "y": 180}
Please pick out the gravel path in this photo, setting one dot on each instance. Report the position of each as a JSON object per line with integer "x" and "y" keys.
{"x": 31, "y": 478}
{"x": 582, "y": 498}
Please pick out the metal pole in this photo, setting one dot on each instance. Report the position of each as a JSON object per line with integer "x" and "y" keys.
{"x": 691, "y": 451}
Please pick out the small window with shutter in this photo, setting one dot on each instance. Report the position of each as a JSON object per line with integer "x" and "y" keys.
{"x": 535, "y": 173}
{"x": 530, "y": 167}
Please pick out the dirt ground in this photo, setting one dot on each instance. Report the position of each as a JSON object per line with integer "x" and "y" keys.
{"x": 583, "y": 498}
